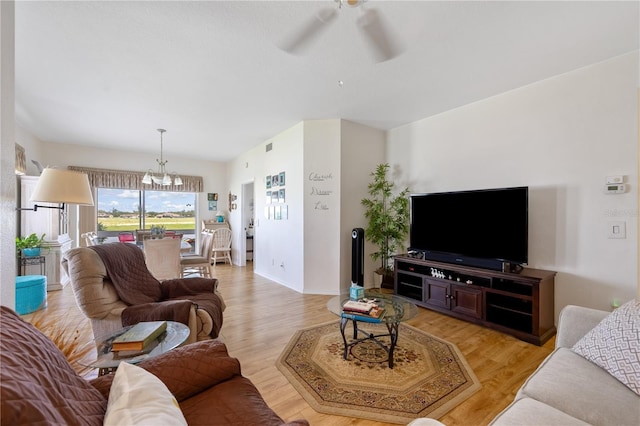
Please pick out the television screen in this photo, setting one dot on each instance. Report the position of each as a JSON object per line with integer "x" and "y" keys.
{"x": 483, "y": 224}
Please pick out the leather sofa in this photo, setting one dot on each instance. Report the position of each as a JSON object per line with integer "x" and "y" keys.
{"x": 39, "y": 386}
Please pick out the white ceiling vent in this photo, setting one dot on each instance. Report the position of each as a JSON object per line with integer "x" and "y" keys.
{"x": 269, "y": 147}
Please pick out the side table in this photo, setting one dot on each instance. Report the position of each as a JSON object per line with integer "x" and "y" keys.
{"x": 107, "y": 362}
{"x": 33, "y": 260}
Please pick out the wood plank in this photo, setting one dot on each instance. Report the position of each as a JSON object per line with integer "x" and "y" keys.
{"x": 262, "y": 316}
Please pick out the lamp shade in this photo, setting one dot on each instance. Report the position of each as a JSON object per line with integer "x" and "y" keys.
{"x": 63, "y": 186}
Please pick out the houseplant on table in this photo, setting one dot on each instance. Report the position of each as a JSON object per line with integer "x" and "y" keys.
{"x": 388, "y": 221}
{"x": 29, "y": 246}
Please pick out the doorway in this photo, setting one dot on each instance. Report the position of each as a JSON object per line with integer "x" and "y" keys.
{"x": 248, "y": 220}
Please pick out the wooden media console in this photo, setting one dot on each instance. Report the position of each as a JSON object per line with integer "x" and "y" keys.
{"x": 520, "y": 304}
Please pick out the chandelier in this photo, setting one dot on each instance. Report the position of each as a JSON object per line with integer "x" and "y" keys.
{"x": 163, "y": 177}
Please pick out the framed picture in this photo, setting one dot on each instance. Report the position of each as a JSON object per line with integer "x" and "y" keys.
{"x": 274, "y": 180}
{"x": 271, "y": 211}
{"x": 268, "y": 182}
{"x": 274, "y": 196}
{"x": 285, "y": 212}
{"x": 277, "y": 213}
{"x": 213, "y": 206}
{"x": 210, "y": 197}
{"x": 266, "y": 212}
{"x": 281, "y": 195}
{"x": 281, "y": 178}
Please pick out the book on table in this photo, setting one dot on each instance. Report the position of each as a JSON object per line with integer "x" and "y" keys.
{"x": 362, "y": 311}
{"x": 139, "y": 336}
{"x": 358, "y": 307}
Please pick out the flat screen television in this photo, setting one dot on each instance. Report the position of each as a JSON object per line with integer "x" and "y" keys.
{"x": 483, "y": 228}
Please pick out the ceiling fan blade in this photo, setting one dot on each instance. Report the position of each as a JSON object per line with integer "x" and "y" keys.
{"x": 300, "y": 41}
{"x": 382, "y": 44}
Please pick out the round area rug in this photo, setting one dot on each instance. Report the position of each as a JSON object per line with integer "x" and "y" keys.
{"x": 429, "y": 377}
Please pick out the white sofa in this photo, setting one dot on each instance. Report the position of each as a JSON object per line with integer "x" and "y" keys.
{"x": 568, "y": 389}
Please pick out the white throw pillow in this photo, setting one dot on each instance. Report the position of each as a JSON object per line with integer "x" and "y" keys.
{"x": 614, "y": 345}
{"x": 137, "y": 397}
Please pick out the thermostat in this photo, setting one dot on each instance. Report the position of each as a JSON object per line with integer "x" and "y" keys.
{"x": 617, "y": 188}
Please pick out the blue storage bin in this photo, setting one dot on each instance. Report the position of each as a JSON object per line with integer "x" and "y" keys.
{"x": 31, "y": 293}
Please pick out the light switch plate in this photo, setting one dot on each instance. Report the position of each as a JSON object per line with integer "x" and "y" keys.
{"x": 616, "y": 229}
{"x": 615, "y": 179}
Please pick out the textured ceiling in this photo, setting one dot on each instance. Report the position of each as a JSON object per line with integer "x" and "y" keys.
{"x": 109, "y": 74}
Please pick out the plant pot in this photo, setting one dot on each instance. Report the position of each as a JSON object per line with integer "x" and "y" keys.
{"x": 31, "y": 252}
{"x": 387, "y": 281}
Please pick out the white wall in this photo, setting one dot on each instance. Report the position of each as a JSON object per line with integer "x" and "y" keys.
{"x": 327, "y": 165}
{"x": 362, "y": 149}
{"x": 32, "y": 147}
{"x": 278, "y": 244}
{"x": 561, "y": 137}
{"x": 8, "y": 214}
{"x": 322, "y": 249}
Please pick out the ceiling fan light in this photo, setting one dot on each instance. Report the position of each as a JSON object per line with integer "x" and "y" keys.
{"x": 147, "y": 178}
{"x": 166, "y": 180}
{"x": 177, "y": 181}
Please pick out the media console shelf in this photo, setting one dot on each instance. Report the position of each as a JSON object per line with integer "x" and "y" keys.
{"x": 518, "y": 304}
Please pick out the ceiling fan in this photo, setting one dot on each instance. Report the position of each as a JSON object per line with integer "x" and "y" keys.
{"x": 370, "y": 23}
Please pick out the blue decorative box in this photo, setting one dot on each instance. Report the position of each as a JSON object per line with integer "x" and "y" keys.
{"x": 356, "y": 292}
{"x": 31, "y": 293}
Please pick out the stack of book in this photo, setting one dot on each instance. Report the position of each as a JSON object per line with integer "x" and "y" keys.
{"x": 139, "y": 339}
{"x": 362, "y": 311}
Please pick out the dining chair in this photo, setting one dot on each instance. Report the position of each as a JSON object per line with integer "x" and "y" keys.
{"x": 90, "y": 238}
{"x": 199, "y": 263}
{"x": 126, "y": 237}
{"x": 142, "y": 234}
{"x": 222, "y": 245}
{"x": 162, "y": 257}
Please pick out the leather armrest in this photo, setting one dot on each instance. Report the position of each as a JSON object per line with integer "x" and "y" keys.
{"x": 186, "y": 370}
{"x": 188, "y": 287}
{"x": 169, "y": 310}
{"x": 190, "y": 369}
{"x": 103, "y": 384}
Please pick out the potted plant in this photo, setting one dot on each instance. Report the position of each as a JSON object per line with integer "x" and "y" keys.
{"x": 388, "y": 221}
{"x": 29, "y": 246}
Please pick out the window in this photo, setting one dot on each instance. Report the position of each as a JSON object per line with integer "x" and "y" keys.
{"x": 127, "y": 210}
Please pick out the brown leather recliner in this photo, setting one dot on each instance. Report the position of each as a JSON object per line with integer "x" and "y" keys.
{"x": 39, "y": 386}
{"x": 97, "y": 298}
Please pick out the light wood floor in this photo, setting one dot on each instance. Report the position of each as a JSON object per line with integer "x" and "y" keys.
{"x": 261, "y": 317}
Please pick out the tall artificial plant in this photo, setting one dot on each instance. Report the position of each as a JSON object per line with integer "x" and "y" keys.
{"x": 388, "y": 218}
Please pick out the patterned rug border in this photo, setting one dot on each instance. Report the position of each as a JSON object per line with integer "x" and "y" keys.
{"x": 435, "y": 410}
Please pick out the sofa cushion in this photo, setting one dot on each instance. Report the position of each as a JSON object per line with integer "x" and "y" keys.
{"x": 529, "y": 412}
{"x": 37, "y": 384}
{"x": 137, "y": 397}
{"x": 614, "y": 345}
{"x": 581, "y": 389}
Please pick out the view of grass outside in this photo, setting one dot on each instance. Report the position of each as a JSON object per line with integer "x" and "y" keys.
{"x": 131, "y": 224}
{"x": 120, "y": 210}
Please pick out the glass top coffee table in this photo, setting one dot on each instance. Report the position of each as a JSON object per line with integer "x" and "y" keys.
{"x": 107, "y": 361}
{"x": 397, "y": 309}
